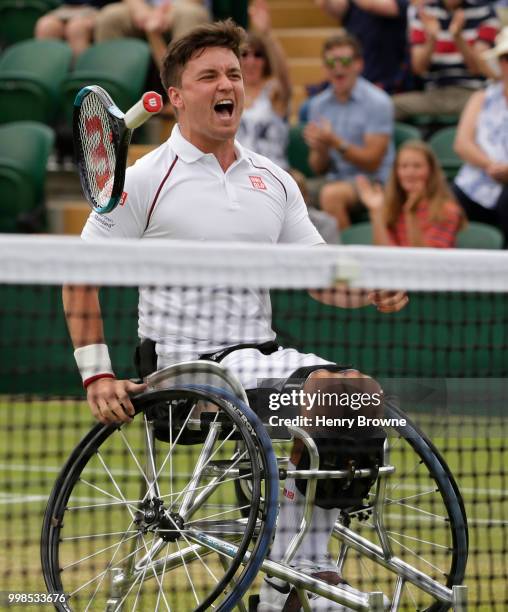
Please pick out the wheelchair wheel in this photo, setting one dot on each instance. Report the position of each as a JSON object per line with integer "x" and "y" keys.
{"x": 424, "y": 522}
{"x": 136, "y": 523}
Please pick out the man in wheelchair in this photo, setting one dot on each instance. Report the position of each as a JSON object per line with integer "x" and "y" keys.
{"x": 202, "y": 183}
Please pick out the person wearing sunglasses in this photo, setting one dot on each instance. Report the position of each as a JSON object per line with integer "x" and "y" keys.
{"x": 349, "y": 131}
{"x": 264, "y": 127}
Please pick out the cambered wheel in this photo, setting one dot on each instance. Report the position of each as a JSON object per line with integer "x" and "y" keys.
{"x": 136, "y": 523}
{"x": 424, "y": 520}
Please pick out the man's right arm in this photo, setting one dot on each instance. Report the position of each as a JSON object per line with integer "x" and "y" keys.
{"x": 108, "y": 397}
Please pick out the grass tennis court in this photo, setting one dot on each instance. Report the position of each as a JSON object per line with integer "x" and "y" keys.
{"x": 40, "y": 435}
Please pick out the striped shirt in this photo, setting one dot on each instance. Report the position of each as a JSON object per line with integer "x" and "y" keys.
{"x": 447, "y": 63}
{"x": 437, "y": 234}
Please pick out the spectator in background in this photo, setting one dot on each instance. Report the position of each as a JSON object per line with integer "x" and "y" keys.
{"x": 139, "y": 18}
{"x": 350, "y": 129}
{"x": 416, "y": 209}
{"x": 447, "y": 38}
{"x": 323, "y": 222}
{"x": 482, "y": 142}
{"x": 74, "y": 21}
{"x": 264, "y": 125}
{"x": 381, "y": 28}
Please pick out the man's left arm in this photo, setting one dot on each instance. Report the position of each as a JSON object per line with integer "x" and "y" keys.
{"x": 344, "y": 297}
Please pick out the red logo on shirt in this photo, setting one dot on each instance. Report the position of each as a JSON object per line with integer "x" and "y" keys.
{"x": 257, "y": 182}
{"x": 288, "y": 494}
{"x": 123, "y": 198}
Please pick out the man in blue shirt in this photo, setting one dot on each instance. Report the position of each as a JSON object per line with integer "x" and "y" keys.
{"x": 350, "y": 129}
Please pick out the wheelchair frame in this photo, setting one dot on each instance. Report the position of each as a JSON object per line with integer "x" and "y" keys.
{"x": 206, "y": 375}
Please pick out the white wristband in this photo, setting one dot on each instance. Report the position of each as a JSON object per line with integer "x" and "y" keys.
{"x": 93, "y": 362}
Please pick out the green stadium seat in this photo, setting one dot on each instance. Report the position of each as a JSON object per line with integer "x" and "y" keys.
{"x": 31, "y": 73}
{"x": 403, "y": 132}
{"x": 359, "y": 233}
{"x": 442, "y": 144}
{"x": 479, "y": 236}
{"x": 18, "y": 18}
{"x": 298, "y": 151}
{"x": 119, "y": 66}
{"x": 24, "y": 150}
{"x": 430, "y": 124}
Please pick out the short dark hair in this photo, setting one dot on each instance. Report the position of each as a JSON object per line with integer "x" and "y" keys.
{"x": 219, "y": 34}
{"x": 343, "y": 39}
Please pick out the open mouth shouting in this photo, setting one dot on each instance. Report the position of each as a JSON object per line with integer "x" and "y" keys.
{"x": 224, "y": 108}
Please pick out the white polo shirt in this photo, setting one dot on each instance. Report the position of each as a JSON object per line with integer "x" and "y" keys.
{"x": 179, "y": 192}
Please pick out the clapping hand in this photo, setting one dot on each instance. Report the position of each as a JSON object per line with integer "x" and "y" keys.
{"x": 457, "y": 23}
{"x": 430, "y": 23}
{"x": 371, "y": 194}
{"x": 320, "y": 135}
{"x": 259, "y": 16}
{"x": 412, "y": 201}
{"x": 141, "y": 13}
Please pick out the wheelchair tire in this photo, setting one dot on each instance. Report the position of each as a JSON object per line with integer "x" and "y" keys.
{"x": 108, "y": 520}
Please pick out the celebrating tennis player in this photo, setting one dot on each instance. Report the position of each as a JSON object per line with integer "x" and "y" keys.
{"x": 202, "y": 185}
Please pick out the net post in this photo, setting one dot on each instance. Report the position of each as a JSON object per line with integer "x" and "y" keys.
{"x": 459, "y": 598}
{"x": 376, "y": 601}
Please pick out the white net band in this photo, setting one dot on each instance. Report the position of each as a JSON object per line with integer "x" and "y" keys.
{"x": 59, "y": 260}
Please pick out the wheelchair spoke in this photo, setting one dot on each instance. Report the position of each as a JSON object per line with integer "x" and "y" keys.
{"x": 188, "y": 576}
{"x": 131, "y": 502}
{"x": 96, "y": 535}
{"x": 417, "y": 495}
{"x": 420, "y": 540}
{"x": 115, "y": 484}
{"x": 94, "y": 554}
{"x": 161, "y": 589}
{"x": 135, "y": 459}
{"x": 123, "y": 502}
{"x": 235, "y": 509}
{"x": 172, "y": 447}
{"x": 433, "y": 515}
{"x": 415, "y": 554}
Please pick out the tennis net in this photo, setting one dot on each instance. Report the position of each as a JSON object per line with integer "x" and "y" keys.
{"x": 441, "y": 360}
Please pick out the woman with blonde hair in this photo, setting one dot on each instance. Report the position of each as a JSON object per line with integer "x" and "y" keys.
{"x": 416, "y": 208}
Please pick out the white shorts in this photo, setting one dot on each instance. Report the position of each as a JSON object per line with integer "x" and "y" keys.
{"x": 250, "y": 366}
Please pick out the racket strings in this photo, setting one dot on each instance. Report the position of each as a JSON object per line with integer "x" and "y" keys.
{"x": 98, "y": 148}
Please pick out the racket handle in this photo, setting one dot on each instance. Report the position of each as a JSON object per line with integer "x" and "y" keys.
{"x": 150, "y": 104}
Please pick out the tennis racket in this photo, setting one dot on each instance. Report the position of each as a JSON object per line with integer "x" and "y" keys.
{"x": 102, "y": 134}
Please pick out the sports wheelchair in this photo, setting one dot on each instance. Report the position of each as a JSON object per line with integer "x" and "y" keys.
{"x": 176, "y": 511}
